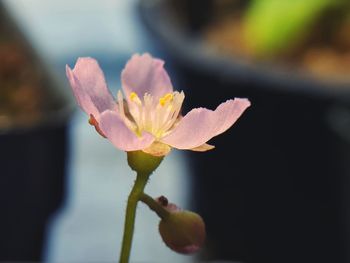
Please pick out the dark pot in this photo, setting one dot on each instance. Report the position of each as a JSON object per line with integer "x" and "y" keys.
{"x": 33, "y": 160}
{"x": 274, "y": 189}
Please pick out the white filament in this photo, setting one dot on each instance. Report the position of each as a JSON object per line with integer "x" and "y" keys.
{"x": 155, "y": 117}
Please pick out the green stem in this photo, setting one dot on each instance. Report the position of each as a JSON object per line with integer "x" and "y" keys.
{"x": 134, "y": 197}
{"x": 154, "y": 205}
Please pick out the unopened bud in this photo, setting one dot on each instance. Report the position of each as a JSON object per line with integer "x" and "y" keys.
{"x": 183, "y": 231}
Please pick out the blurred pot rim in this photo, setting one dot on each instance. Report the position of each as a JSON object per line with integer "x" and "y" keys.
{"x": 194, "y": 53}
{"x": 55, "y": 88}
{"x": 50, "y": 119}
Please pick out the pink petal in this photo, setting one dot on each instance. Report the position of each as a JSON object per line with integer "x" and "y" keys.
{"x": 200, "y": 125}
{"x": 144, "y": 74}
{"x": 89, "y": 86}
{"x": 82, "y": 98}
{"x": 114, "y": 128}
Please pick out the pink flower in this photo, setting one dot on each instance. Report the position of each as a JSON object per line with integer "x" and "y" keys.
{"x": 149, "y": 118}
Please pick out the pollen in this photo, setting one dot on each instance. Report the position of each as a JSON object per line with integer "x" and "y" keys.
{"x": 166, "y": 98}
{"x": 133, "y": 96}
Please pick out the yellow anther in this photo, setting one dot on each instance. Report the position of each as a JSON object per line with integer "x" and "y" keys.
{"x": 166, "y": 98}
{"x": 133, "y": 96}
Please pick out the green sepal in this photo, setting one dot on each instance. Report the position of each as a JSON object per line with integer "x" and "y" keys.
{"x": 142, "y": 162}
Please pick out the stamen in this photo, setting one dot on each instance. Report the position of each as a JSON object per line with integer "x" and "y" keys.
{"x": 122, "y": 111}
{"x": 166, "y": 98}
{"x": 174, "y": 112}
{"x": 156, "y": 119}
{"x": 136, "y": 110}
{"x": 133, "y": 97}
{"x": 147, "y": 117}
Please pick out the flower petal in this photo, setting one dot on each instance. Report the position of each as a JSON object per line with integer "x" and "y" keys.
{"x": 82, "y": 98}
{"x": 200, "y": 125}
{"x": 145, "y": 74}
{"x": 89, "y": 87}
{"x": 114, "y": 128}
{"x": 203, "y": 148}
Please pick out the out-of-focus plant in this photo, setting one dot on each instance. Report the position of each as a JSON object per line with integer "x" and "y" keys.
{"x": 21, "y": 92}
{"x": 274, "y": 26}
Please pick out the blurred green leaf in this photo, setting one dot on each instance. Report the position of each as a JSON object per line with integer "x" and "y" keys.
{"x": 273, "y": 26}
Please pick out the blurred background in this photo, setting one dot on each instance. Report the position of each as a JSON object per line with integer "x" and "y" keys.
{"x": 67, "y": 187}
{"x": 275, "y": 189}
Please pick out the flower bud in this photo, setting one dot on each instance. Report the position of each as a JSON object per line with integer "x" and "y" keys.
{"x": 183, "y": 231}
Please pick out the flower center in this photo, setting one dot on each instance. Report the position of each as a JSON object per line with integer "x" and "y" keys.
{"x": 155, "y": 117}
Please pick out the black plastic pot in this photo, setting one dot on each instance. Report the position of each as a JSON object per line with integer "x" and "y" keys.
{"x": 274, "y": 189}
{"x": 33, "y": 160}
